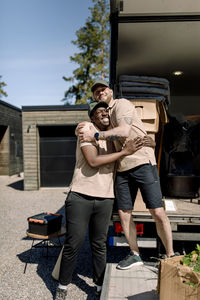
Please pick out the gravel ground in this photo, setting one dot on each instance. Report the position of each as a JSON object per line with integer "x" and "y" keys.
{"x": 15, "y": 206}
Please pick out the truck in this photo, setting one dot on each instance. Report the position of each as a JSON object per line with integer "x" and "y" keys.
{"x": 155, "y": 63}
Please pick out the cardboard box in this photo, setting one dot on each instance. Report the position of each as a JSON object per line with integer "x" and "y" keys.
{"x": 147, "y": 111}
{"x": 174, "y": 281}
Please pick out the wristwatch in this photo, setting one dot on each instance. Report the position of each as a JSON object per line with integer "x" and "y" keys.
{"x": 96, "y": 136}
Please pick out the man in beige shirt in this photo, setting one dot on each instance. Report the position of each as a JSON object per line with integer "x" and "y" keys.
{"x": 90, "y": 200}
{"x": 135, "y": 171}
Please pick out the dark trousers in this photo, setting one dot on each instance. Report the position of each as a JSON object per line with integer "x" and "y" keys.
{"x": 81, "y": 212}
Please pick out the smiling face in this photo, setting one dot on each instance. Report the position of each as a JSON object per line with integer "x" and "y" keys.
{"x": 101, "y": 118}
{"x": 103, "y": 93}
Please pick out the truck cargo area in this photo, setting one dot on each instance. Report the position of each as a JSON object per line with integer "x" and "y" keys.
{"x": 154, "y": 63}
{"x": 184, "y": 216}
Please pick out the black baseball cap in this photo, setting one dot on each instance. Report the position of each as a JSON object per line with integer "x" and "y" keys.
{"x": 94, "y": 105}
{"x": 99, "y": 82}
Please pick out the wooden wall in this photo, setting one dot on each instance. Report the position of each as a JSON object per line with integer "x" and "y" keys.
{"x": 4, "y": 150}
{"x": 11, "y": 156}
{"x": 31, "y": 121}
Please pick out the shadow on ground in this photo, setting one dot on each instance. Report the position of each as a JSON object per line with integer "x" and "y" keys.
{"x": 46, "y": 264}
{"x": 151, "y": 295}
{"x": 18, "y": 185}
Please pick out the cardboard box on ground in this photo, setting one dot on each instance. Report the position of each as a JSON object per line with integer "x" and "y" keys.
{"x": 177, "y": 282}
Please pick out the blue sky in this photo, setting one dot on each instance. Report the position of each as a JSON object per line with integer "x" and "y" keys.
{"x": 36, "y": 47}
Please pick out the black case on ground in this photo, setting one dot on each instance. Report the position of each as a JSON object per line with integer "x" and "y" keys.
{"x": 44, "y": 223}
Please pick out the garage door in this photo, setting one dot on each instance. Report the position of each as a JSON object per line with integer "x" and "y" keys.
{"x": 57, "y": 155}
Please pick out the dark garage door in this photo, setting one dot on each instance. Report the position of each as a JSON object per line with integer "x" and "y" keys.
{"x": 57, "y": 155}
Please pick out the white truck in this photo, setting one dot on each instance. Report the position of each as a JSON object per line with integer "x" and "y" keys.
{"x": 151, "y": 41}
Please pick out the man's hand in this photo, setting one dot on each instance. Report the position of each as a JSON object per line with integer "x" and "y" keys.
{"x": 132, "y": 146}
{"x": 86, "y": 135}
{"x": 80, "y": 126}
{"x": 148, "y": 142}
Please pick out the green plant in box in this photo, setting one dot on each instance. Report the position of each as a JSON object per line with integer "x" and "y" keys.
{"x": 192, "y": 259}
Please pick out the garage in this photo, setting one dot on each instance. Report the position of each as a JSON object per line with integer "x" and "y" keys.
{"x": 57, "y": 155}
{"x": 49, "y": 144}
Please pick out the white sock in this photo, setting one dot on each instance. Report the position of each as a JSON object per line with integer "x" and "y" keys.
{"x": 62, "y": 287}
{"x": 99, "y": 288}
{"x": 135, "y": 253}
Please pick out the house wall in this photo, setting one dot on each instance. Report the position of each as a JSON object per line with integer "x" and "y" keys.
{"x": 4, "y": 150}
{"x": 11, "y": 142}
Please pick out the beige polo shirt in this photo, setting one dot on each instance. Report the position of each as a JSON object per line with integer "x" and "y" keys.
{"x": 123, "y": 108}
{"x": 96, "y": 182}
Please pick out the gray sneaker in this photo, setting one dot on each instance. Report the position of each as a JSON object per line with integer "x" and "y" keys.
{"x": 164, "y": 256}
{"x": 61, "y": 294}
{"x": 129, "y": 261}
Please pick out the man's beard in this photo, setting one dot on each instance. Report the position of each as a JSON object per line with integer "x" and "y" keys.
{"x": 106, "y": 99}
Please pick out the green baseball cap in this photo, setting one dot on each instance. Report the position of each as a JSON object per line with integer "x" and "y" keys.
{"x": 99, "y": 82}
{"x": 94, "y": 105}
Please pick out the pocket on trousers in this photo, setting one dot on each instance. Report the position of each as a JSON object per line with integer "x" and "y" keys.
{"x": 155, "y": 173}
{"x": 147, "y": 174}
{"x": 68, "y": 199}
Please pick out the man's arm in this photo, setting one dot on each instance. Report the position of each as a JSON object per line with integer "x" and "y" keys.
{"x": 90, "y": 153}
{"x": 123, "y": 130}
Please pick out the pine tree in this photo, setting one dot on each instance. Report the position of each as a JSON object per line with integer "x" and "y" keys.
{"x": 93, "y": 42}
{"x": 2, "y": 85}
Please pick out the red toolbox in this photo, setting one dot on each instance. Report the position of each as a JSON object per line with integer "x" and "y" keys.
{"x": 44, "y": 223}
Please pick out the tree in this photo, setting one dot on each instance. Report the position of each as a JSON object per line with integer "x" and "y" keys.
{"x": 2, "y": 85}
{"x": 93, "y": 42}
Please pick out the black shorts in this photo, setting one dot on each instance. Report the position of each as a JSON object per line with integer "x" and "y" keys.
{"x": 144, "y": 177}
